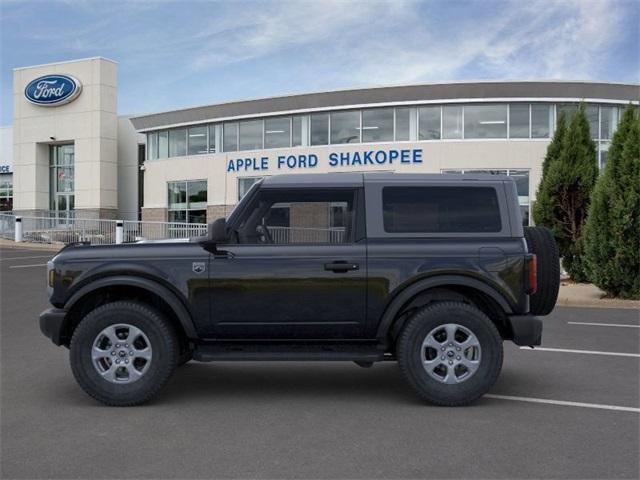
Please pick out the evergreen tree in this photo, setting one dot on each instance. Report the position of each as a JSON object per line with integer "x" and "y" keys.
{"x": 566, "y": 192}
{"x": 543, "y": 208}
{"x": 612, "y": 233}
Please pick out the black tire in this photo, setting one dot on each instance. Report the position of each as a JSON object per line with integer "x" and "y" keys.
{"x": 164, "y": 348}
{"x": 541, "y": 242}
{"x": 410, "y": 353}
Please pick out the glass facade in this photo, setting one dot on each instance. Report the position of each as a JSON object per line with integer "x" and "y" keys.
{"x": 6, "y": 192}
{"x": 477, "y": 121}
{"x": 377, "y": 125}
{"x": 61, "y": 179}
{"x": 187, "y": 201}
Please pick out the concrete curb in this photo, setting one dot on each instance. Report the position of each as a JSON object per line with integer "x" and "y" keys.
{"x": 4, "y": 243}
{"x": 588, "y": 295}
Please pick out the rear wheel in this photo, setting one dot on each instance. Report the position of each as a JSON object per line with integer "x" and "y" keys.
{"x": 450, "y": 353}
{"x": 123, "y": 353}
{"x": 541, "y": 242}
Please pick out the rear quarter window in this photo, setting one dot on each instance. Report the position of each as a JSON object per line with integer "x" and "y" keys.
{"x": 440, "y": 210}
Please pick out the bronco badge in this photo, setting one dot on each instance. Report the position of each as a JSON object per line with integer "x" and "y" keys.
{"x": 198, "y": 267}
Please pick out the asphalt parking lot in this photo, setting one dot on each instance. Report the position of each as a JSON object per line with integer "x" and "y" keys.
{"x": 322, "y": 420}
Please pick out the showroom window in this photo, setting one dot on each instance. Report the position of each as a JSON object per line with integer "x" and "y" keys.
{"x": 541, "y": 120}
{"x": 429, "y": 123}
{"x": 163, "y": 144}
{"x": 345, "y": 127}
{"x": 377, "y": 125}
{"x": 403, "y": 124}
{"x": 187, "y": 201}
{"x": 452, "y": 121}
{"x": 212, "y": 138}
{"x": 440, "y": 210}
{"x": 277, "y": 132}
{"x": 320, "y": 129}
{"x": 152, "y": 146}
{"x": 296, "y": 131}
{"x": 244, "y": 184}
{"x": 251, "y": 135}
{"x": 608, "y": 122}
{"x": 6, "y": 192}
{"x": 230, "y": 137}
{"x": 61, "y": 179}
{"x": 519, "y": 120}
{"x": 521, "y": 177}
{"x": 178, "y": 142}
{"x": 485, "y": 121}
{"x": 197, "y": 140}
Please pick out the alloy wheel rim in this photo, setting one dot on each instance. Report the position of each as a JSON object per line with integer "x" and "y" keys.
{"x": 121, "y": 353}
{"x": 451, "y": 353}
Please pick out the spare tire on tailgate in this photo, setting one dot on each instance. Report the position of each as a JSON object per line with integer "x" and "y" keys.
{"x": 541, "y": 242}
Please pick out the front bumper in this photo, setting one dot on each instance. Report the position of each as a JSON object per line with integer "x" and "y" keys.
{"x": 527, "y": 330}
{"x": 52, "y": 324}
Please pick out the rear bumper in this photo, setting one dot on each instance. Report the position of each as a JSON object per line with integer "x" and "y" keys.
{"x": 52, "y": 323}
{"x": 527, "y": 330}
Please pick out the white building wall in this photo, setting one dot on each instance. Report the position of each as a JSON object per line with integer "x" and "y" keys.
{"x": 436, "y": 156}
{"x": 6, "y": 149}
{"x": 128, "y": 169}
{"x": 90, "y": 122}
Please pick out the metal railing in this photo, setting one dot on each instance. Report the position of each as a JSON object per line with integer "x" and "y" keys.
{"x": 135, "y": 231}
{"x": 284, "y": 235}
{"x": 64, "y": 230}
{"x": 7, "y": 226}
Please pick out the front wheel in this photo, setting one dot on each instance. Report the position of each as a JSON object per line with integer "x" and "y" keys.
{"x": 450, "y": 353}
{"x": 123, "y": 353}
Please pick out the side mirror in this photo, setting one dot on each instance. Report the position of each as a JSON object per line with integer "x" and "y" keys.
{"x": 218, "y": 231}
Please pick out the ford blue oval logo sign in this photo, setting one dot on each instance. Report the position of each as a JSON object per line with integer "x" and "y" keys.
{"x": 53, "y": 90}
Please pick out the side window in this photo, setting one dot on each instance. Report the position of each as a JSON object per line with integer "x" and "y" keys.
{"x": 284, "y": 217}
{"x": 440, "y": 210}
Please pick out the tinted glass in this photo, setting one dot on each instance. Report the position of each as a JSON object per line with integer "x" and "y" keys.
{"x": 452, "y": 121}
{"x": 296, "y": 131}
{"x": 277, "y": 132}
{"x": 541, "y": 118}
{"x": 608, "y": 122}
{"x": 345, "y": 127}
{"x": 320, "y": 129}
{"x": 592, "y": 116}
{"x": 403, "y": 124}
{"x": 178, "y": 142}
{"x": 212, "y": 139}
{"x": 429, "y": 123}
{"x": 519, "y": 121}
{"x": 197, "y": 140}
{"x": 377, "y": 125}
{"x": 197, "y": 194}
{"x": 440, "y": 210}
{"x": 177, "y": 195}
{"x": 152, "y": 146}
{"x": 244, "y": 184}
{"x": 251, "y": 135}
{"x": 163, "y": 144}
{"x": 230, "y": 137}
{"x": 485, "y": 121}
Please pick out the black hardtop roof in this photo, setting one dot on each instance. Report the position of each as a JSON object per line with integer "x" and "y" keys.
{"x": 349, "y": 179}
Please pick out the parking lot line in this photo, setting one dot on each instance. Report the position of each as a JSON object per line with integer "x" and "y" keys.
{"x": 590, "y": 352}
{"x": 24, "y": 258}
{"x": 27, "y": 266}
{"x": 564, "y": 403}
{"x": 604, "y": 324}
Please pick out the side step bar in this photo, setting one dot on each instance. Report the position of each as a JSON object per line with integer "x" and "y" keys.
{"x": 232, "y": 351}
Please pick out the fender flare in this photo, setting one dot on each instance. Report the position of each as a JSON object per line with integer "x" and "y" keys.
{"x": 174, "y": 302}
{"x": 400, "y": 299}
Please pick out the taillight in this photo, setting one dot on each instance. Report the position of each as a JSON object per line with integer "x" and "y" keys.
{"x": 532, "y": 274}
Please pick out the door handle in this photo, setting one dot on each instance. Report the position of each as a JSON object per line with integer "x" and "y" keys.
{"x": 341, "y": 266}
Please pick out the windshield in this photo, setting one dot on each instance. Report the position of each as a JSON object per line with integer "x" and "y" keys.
{"x": 243, "y": 201}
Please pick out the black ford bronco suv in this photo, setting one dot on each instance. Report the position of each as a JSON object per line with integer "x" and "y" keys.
{"x": 433, "y": 271}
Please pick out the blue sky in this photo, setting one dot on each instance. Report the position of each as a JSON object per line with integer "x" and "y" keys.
{"x": 179, "y": 54}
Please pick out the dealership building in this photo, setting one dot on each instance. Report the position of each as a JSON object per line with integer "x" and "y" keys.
{"x": 70, "y": 152}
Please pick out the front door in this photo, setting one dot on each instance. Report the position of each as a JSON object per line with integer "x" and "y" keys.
{"x": 295, "y": 270}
